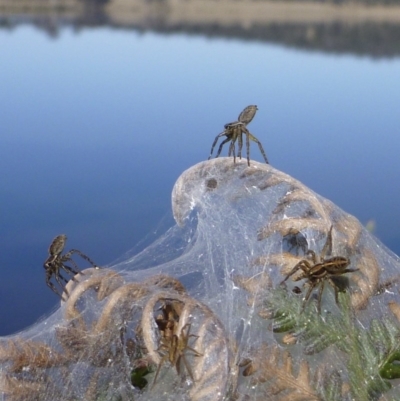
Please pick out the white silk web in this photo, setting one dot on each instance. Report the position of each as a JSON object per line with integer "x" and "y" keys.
{"x": 204, "y": 313}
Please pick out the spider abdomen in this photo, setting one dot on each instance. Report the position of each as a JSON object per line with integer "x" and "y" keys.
{"x": 248, "y": 114}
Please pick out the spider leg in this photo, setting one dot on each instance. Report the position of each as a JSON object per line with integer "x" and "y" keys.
{"x": 82, "y": 255}
{"x": 262, "y": 151}
{"x": 335, "y": 287}
{"x": 58, "y": 278}
{"x": 164, "y": 358}
{"x": 247, "y": 133}
{"x": 349, "y": 271}
{"x": 232, "y": 151}
{"x": 65, "y": 291}
{"x": 221, "y": 145}
{"x": 195, "y": 353}
{"x": 312, "y": 286}
{"x": 254, "y": 139}
{"x": 321, "y": 289}
{"x": 70, "y": 271}
{"x": 240, "y": 145}
{"x": 187, "y": 366}
{"x": 192, "y": 335}
{"x": 327, "y": 249}
{"x": 67, "y": 268}
{"x": 294, "y": 270}
{"x": 215, "y": 142}
{"x": 303, "y": 265}
{"x": 187, "y": 327}
{"x": 236, "y": 135}
{"x": 54, "y": 289}
{"x": 50, "y": 284}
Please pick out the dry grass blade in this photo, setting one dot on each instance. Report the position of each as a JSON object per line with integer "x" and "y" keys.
{"x": 285, "y": 260}
{"x": 301, "y": 195}
{"x": 21, "y": 390}
{"x": 367, "y": 280}
{"x": 30, "y": 354}
{"x": 91, "y": 391}
{"x": 166, "y": 283}
{"x": 274, "y": 367}
{"x": 102, "y": 281}
{"x": 120, "y": 305}
{"x": 293, "y": 227}
{"x": 395, "y": 309}
{"x": 351, "y": 228}
{"x": 73, "y": 339}
{"x": 255, "y": 284}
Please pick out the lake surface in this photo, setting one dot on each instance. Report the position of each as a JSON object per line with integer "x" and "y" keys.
{"x": 97, "y": 125}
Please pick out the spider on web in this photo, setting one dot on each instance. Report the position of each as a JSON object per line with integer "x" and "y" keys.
{"x": 175, "y": 349}
{"x": 233, "y": 132}
{"x": 57, "y": 262}
{"x": 318, "y": 270}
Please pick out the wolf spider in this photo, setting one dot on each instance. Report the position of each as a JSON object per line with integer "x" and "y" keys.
{"x": 55, "y": 262}
{"x": 174, "y": 348}
{"x": 233, "y": 132}
{"x": 320, "y": 269}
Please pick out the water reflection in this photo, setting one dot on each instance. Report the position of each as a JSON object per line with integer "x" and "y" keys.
{"x": 368, "y": 27}
{"x": 96, "y": 128}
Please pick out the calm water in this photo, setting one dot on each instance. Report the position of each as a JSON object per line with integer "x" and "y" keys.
{"x": 96, "y": 126}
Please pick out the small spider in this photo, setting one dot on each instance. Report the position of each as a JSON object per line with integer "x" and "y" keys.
{"x": 233, "y": 132}
{"x": 317, "y": 270}
{"x": 55, "y": 262}
{"x": 173, "y": 348}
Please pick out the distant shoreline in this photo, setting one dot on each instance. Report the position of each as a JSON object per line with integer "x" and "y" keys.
{"x": 247, "y": 13}
{"x": 222, "y": 12}
{"x": 346, "y": 28}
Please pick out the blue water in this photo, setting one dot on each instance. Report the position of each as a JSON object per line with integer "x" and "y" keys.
{"x": 97, "y": 125}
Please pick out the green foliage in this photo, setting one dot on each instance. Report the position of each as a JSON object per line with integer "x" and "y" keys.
{"x": 313, "y": 331}
{"x": 371, "y": 355}
{"x": 391, "y": 369}
{"x": 331, "y": 389}
{"x": 138, "y": 379}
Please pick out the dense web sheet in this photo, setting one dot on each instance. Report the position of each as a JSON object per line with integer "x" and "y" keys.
{"x": 203, "y": 313}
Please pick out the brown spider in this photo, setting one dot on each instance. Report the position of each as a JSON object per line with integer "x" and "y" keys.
{"x": 55, "y": 262}
{"x": 233, "y": 131}
{"x": 318, "y": 270}
{"x": 173, "y": 349}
